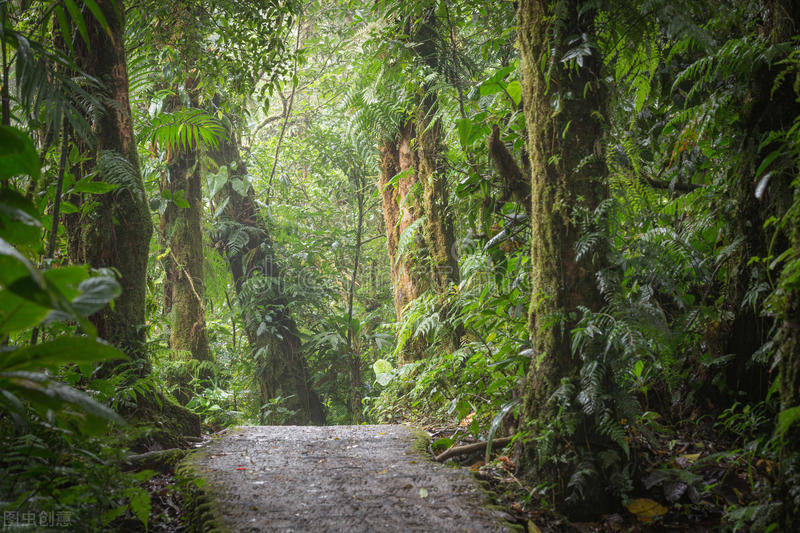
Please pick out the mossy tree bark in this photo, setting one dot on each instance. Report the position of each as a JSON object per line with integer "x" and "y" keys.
{"x": 413, "y": 186}
{"x": 782, "y": 24}
{"x": 568, "y": 170}
{"x": 269, "y": 326}
{"x": 764, "y": 109}
{"x": 438, "y": 232}
{"x": 789, "y": 376}
{"x": 400, "y": 211}
{"x": 181, "y": 229}
{"x": 114, "y": 229}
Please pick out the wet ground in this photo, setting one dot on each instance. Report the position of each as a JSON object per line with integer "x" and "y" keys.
{"x": 338, "y": 478}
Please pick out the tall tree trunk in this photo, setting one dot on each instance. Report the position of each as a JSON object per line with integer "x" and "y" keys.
{"x": 400, "y": 211}
{"x": 567, "y": 166}
{"x": 762, "y": 111}
{"x": 416, "y": 156}
{"x": 352, "y": 348}
{"x": 789, "y": 377}
{"x": 114, "y": 230}
{"x": 438, "y": 226}
{"x": 181, "y": 229}
{"x": 417, "y": 197}
{"x": 781, "y": 114}
{"x": 270, "y": 328}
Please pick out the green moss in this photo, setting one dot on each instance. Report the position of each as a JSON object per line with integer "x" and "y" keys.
{"x": 158, "y": 419}
{"x": 420, "y": 444}
{"x": 199, "y": 504}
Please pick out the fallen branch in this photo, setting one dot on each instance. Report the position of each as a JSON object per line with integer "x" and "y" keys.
{"x": 162, "y": 460}
{"x": 469, "y": 448}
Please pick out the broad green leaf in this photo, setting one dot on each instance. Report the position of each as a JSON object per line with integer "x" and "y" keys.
{"x": 88, "y": 186}
{"x": 496, "y": 82}
{"x": 221, "y": 208}
{"x": 17, "y": 154}
{"x": 240, "y": 186}
{"x": 67, "y": 279}
{"x": 464, "y": 126}
{"x": 384, "y": 379}
{"x": 93, "y": 295}
{"x": 39, "y": 290}
{"x": 442, "y": 443}
{"x": 18, "y": 314}
{"x": 498, "y": 418}
{"x": 67, "y": 208}
{"x": 42, "y": 389}
{"x": 60, "y": 351}
{"x": 77, "y": 18}
{"x": 787, "y": 418}
{"x": 383, "y": 371}
{"x": 19, "y": 222}
{"x": 29, "y": 289}
{"x": 514, "y": 90}
{"x": 382, "y": 366}
{"x": 217, "y": 181}
{"x": 488, "y": 88}
{"x": 14, "y": 266}
{"x": 179, "y": 200}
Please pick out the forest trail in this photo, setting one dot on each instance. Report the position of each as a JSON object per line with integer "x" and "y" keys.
{"x": 337, "y": 478}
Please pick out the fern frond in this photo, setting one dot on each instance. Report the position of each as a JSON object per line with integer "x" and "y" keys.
{"x": 114, "y": 168}
{"x": 185, "y": 129}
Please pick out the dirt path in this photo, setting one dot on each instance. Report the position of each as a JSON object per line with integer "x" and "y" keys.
{"x": 337, "y": 478}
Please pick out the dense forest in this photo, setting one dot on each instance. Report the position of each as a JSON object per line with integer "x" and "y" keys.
{"x": 561, "y": 236}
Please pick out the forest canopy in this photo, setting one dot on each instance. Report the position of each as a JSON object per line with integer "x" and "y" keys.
{"x": 562, "y": 236}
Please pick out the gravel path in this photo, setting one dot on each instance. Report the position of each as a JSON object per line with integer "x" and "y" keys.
{"x": 337, "y": 478}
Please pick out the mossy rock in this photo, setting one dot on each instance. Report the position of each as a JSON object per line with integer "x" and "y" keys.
{"x": 159, "y": 422}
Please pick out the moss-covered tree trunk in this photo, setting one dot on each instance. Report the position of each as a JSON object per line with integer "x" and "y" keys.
{"x": 271, "y": 331}
{"x": 789, "y": 377}
{"x": 114, "y": 229}
{"x": 413, "y": 186}
{"x": 568, "y": 169}
{"x": 414, "y": 190}
{"x": 767, "y": 107}
{"x": 438, "y": 232}
{"x": 400, "y": 211}
{"x": 783, "y": 23}
{"x": 181, "y": 230}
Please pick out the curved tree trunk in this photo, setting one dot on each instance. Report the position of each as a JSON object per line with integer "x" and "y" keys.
{"x": 783, "y": 24}
{"x": 766, "y": 108}
{"x": 270, "y": 329}
{"x": 114, "y": 230}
